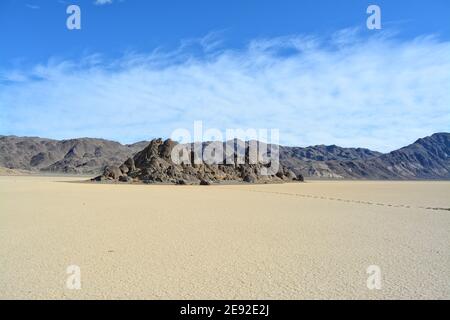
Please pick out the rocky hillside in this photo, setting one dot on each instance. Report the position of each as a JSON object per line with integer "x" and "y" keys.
{"x": 319, "y": 161}
{"x": 327, "y": 153}
{"x": 427, "y": 158}
{"x": 155, "y": 164}
{"x": 75, "y": 156}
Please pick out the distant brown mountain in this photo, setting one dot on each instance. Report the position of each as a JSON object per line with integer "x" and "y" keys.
{"x": 427, "y": 158}
{"x": 75, "y": 156}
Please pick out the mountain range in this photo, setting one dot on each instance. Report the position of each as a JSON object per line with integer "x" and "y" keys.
{"x": 426, "y": 158}
{"x": 74, "y": 156}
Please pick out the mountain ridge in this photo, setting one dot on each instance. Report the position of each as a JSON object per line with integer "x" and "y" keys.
{"x": 426, "y": 158}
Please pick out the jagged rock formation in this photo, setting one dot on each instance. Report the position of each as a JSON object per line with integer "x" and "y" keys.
{"x": 154, "y": 164}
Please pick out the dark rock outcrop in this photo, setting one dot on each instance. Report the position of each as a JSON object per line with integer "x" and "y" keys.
{"x": 155, "y": 164}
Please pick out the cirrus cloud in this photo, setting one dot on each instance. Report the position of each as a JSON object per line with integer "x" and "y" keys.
{"x": 377, "y": 92}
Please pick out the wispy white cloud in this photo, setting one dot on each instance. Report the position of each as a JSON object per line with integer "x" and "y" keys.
{"x": 377, "y": 92}
{"x": 32, "y": 6}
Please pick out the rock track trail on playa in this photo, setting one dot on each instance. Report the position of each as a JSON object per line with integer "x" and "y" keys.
{"x": 323, "y": 197}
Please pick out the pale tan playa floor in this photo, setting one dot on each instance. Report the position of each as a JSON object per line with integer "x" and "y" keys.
{"x": 224, "y": 242}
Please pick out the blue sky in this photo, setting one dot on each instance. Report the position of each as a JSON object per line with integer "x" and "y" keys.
{"x": 139, "y": 69}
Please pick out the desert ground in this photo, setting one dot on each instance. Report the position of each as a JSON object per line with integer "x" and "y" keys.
{"x": 308, "y": 240}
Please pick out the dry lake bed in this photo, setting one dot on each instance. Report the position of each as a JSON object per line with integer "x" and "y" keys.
{"x": 292, "y": 241}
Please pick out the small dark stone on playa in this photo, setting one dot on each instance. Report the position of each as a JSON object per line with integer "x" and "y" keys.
{"x": 250, "y": 179}
{"x": 125, "y": 179}
{"x": 99, "y": 178}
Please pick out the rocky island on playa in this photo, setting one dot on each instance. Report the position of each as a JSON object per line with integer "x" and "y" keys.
{"x": 154, "y": 164}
